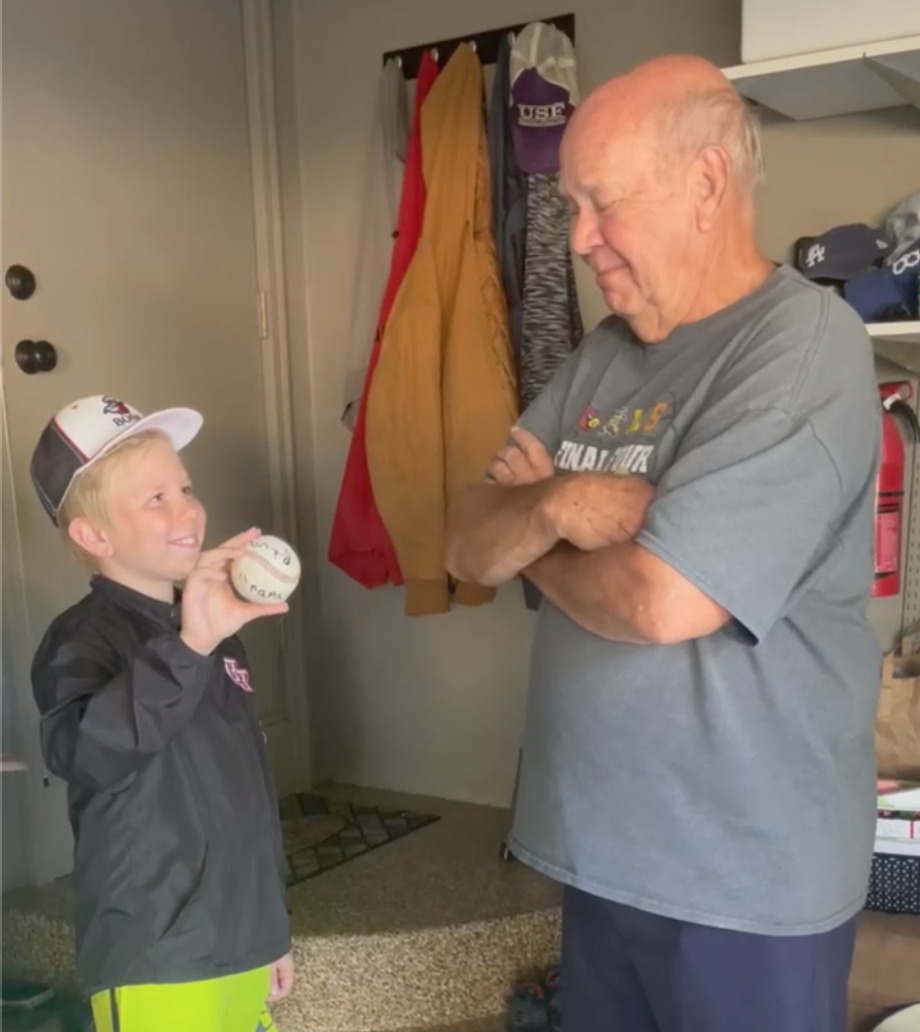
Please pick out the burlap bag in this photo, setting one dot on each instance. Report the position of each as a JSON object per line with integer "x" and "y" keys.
{"x": 897, "y": 723}
{"x": 887, "y": 959}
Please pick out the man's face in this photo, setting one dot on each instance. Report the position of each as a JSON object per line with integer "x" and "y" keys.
{"x": 632, "y": 222}
{"x": 156, "y": 525}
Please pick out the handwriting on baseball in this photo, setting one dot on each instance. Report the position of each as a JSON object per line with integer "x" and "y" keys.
{"x": 267, "y": 572}
{"x": 274, "y": 556}
{"x": 258, "y": 591}
{"x": 266, "y": 545}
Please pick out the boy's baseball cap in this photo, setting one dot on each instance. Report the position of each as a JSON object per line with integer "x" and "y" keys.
{"x": 84, "y": 431}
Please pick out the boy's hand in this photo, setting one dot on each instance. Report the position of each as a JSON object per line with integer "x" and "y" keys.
{"x": 211, "y": 611}
{"x": 282, "y": 978}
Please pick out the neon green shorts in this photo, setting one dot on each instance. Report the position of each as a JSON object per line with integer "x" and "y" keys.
{"x": 235, "y": 1003}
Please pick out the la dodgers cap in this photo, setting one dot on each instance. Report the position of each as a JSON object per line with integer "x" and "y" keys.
{"x": 841, "y": 252}
{"x": 86, "y": 430}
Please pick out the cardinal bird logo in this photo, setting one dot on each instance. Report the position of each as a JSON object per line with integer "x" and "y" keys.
{"x": 114, "y": 407}
{"x": 589, "y": 419}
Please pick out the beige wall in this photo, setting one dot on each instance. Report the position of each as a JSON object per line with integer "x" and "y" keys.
{"x": 15, "y": 826}
{"x": 13, "y": 677}
{"x": 435, "y": 705}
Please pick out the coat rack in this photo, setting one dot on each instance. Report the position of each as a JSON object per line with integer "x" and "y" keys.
{"x": 484, "y": 43}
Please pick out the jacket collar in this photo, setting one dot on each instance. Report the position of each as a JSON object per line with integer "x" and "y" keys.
{"x": 168, "y": 613}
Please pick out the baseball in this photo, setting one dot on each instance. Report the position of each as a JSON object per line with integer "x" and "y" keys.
{"x": 268, "y": 572}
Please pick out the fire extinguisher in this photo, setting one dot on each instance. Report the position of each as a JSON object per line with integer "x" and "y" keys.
{"x": 889, "y": 487}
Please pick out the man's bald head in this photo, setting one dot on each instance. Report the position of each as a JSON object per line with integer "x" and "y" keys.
{"x": 677, "y": 105}
{"x": 660, "y": 166}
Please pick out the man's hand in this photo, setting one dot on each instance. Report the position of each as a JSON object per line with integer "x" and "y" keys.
{"x": 590, "y": 510}
{"x": 496, "y": 530}
{"x": 525, "y": 461}
{"x": 210, "y": 610}
{"x": 282, "y": 978}
{"x": 594, "y": 510}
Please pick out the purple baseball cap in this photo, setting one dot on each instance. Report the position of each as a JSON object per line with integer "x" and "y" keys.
{"x": 542, "y": 97}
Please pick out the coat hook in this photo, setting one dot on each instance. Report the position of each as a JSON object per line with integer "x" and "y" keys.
{"x": 473, "y": 45}
{"x": 434, "y": 53}
{"x": 399, "y": 63}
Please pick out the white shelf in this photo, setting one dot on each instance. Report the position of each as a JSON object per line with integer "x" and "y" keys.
{"x": 908, "y": 332}
{"x": 897, "y": 342}
{"x": 835, "y": 82}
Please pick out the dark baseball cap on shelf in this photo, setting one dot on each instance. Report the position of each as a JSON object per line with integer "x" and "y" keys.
{"x": 841, "y": 252}
{"x": 878, "y": 296}
{"x": 86, "y": 430}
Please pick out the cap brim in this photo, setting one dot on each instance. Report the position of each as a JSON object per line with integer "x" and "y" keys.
{"x": 181, "y": 426}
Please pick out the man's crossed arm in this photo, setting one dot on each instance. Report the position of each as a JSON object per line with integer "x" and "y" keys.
{"x": 572, "y": 536}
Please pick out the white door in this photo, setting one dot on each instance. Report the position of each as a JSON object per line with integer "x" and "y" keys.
{"x": 127, "y": 192}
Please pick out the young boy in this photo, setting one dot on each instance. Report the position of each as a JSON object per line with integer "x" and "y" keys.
{"x": 147, "y": 713}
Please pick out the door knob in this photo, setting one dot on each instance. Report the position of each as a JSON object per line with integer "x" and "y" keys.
{"x": 20, "y": 282}
{"x": 35, "y": 356}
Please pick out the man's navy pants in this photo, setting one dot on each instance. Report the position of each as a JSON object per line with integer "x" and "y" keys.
{"x": 625, "y": 970}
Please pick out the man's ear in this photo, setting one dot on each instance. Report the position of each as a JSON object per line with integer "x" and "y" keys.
{"x": 92, "y": 539}
{"x": 711, "y": 182}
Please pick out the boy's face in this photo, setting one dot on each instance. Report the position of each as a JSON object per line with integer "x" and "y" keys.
{"x": 156, "y": 525}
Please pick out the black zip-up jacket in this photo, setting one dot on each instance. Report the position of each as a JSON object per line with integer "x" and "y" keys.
{"x": 179, "y": 874}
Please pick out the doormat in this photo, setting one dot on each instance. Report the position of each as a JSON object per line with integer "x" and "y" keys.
{"x": 30, "y": 1007}
{"x": 534, "y": 1004}
{"x": 320, "y": 834}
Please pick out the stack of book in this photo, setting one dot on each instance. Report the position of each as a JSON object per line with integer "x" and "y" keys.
{"x": 898, "y": 828}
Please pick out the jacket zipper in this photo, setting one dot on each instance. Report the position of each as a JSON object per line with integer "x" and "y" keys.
{"x": 113, "y": 1007}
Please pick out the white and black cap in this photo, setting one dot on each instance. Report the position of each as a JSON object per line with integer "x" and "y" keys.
{"x": 86, "y": 430}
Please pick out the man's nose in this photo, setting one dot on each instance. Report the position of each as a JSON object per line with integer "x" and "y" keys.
{"x": 583, "y": 234}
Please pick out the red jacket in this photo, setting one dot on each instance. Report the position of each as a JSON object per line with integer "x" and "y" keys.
{"x": 359, "y": 544}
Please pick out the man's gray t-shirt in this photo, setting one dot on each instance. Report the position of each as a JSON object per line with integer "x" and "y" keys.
{"x": 727, "y": 780}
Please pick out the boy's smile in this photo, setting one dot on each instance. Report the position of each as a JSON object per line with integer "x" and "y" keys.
{"x": 187, "y": 542}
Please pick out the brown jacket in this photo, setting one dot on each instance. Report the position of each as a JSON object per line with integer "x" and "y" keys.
{"x": 443, "y": 396}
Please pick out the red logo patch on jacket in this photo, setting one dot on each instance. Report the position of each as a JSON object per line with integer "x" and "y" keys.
{"x": 237, "y": 674}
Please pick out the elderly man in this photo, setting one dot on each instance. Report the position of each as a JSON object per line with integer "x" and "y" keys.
{"x": 698, "y": 764}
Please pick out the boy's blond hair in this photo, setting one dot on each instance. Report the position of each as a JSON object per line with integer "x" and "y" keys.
{"x": 89, "y": 492}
